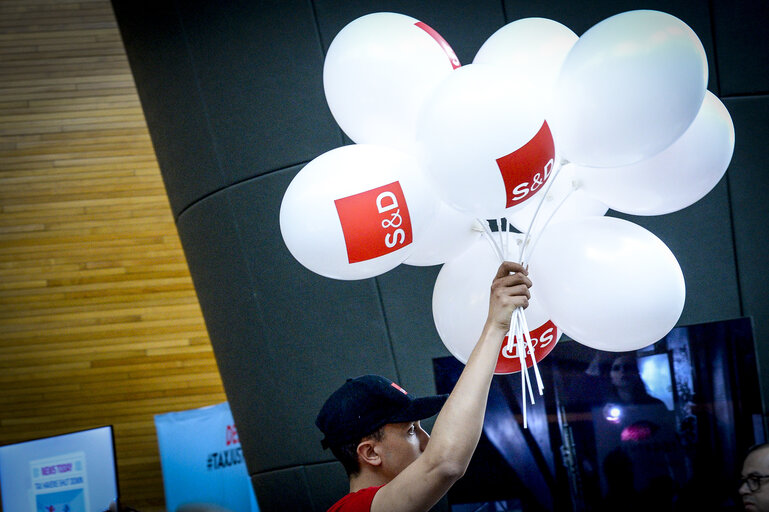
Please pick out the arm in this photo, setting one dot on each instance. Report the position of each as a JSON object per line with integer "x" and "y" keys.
{"x": 459, "y": 424}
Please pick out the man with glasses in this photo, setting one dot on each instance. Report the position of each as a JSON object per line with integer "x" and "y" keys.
{"x": 754, "y": 481}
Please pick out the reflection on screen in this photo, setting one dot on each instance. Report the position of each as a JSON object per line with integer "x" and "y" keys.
{"x": 662, "y": 428}
{"x": 655, "y": 372}
{"x": 74, "y": 472}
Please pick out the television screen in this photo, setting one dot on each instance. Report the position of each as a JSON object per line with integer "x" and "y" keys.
{"x": 73, "y": 472}
{"x": 661, "y": 428}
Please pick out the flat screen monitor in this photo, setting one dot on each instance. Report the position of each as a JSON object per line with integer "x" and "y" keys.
{"x": 661, "y": 428}
{"x": 73, "y": 472}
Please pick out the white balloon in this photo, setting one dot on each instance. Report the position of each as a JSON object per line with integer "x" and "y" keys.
{"x": 677, "y": 177}
{"x": 484, "y": 142}
{"x": 608, "y": 283}
{"x": 355, "y": 211}
{"x": 449, "y": 233}
{"x": 377, "y": 73}
{"x": 630, "y": 86}
{"x": 564, "y": 200}
{"x": 531, "y": 49}
{"x": 461, "y": 304}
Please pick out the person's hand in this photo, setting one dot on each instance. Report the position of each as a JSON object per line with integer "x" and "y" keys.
{"x": 509, "y": 290}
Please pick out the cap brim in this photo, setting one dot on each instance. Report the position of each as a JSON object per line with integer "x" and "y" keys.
{"x": 420, "y": 408}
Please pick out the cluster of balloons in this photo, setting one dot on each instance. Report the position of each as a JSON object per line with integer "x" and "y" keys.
{"x": 545, "y": 130}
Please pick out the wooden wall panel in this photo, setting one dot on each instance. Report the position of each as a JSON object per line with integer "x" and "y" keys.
{"x": 99, "y": 322}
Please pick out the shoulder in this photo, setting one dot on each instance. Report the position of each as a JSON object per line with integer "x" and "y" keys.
{"x": 356, "y": 501}
{"x": 654, "y": 401}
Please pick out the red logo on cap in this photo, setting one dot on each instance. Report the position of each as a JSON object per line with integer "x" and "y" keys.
{"x": 375, "y": 222}
{"x": 444, "y": 45}
{"x": 543, "y": 340}
{"x": 527, "y": 168}
{"x": 399, "y": 388}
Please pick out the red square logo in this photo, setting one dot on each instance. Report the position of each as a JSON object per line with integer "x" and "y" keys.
{"x": 527, "y": 168}
{"x": 543, "y": 340}
{"x": 375, "y": 222}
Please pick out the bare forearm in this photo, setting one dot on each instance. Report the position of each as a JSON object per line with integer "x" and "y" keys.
{"x": 458, "y": 427}
{"x": 459, "y": 424}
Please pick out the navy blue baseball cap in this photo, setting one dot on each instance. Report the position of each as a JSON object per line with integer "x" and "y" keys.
{"x": 364, "y": 404}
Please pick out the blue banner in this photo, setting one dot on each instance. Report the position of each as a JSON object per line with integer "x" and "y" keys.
{"x": 202, "y": 460}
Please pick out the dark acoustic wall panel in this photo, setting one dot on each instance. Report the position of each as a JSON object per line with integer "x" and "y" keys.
{"x": 580, "y": 16}
{"x": 285, "y": 490}
{"x": 748, "y": 186}
{"x": 260, "y": 70}
{"x": 231, "y": 90}
{"x": 283, "y": 336}
{"x": 743, "y": 45}
{"x": 327, "y": 482}
{"x": 154, "y": 40}
{"x": 407, "y": 293}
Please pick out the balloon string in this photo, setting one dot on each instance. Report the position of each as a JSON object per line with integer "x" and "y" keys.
{"x": 519, "y": 330}
{"x": 502, "y": 236}
{"x": 525, "y": 381}
{"x": 527, "y": 335}
{"x": 521, "y": 357}
{"x": 518, "y": 338}
{"x": 539, "y": 233}
{"x": 524, "y": 368}
{"x": 512, "y": 337}
{"x": 521, "y": 335}
{"x": 490, "y": 239}
{"x": 557, "y": 170}
{"x": 512, "y": 332}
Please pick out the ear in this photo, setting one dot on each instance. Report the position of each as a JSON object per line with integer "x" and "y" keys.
{"x": 368, "y": 453}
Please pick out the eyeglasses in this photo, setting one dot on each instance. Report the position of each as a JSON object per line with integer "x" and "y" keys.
{"x": 753, "y": 481}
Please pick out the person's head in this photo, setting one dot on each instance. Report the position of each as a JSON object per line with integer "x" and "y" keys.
{"x": 624, "y": 372}
{"x": 371, "y": 420}
{"x": 754, "y": 483}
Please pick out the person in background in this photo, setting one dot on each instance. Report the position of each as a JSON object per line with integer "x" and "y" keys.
{"x": 754, "y": 479}
{"x": 627, "y": 387}
{"x": 372, "y": 425}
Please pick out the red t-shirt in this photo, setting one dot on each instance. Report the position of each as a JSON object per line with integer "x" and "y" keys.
{"x": 359, "y": 501}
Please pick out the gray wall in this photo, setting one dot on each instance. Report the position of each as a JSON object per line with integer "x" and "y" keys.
{"x": 232, "y": 93}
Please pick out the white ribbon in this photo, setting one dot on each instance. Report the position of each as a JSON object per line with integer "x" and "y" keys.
{"x": 519, "y": 336}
